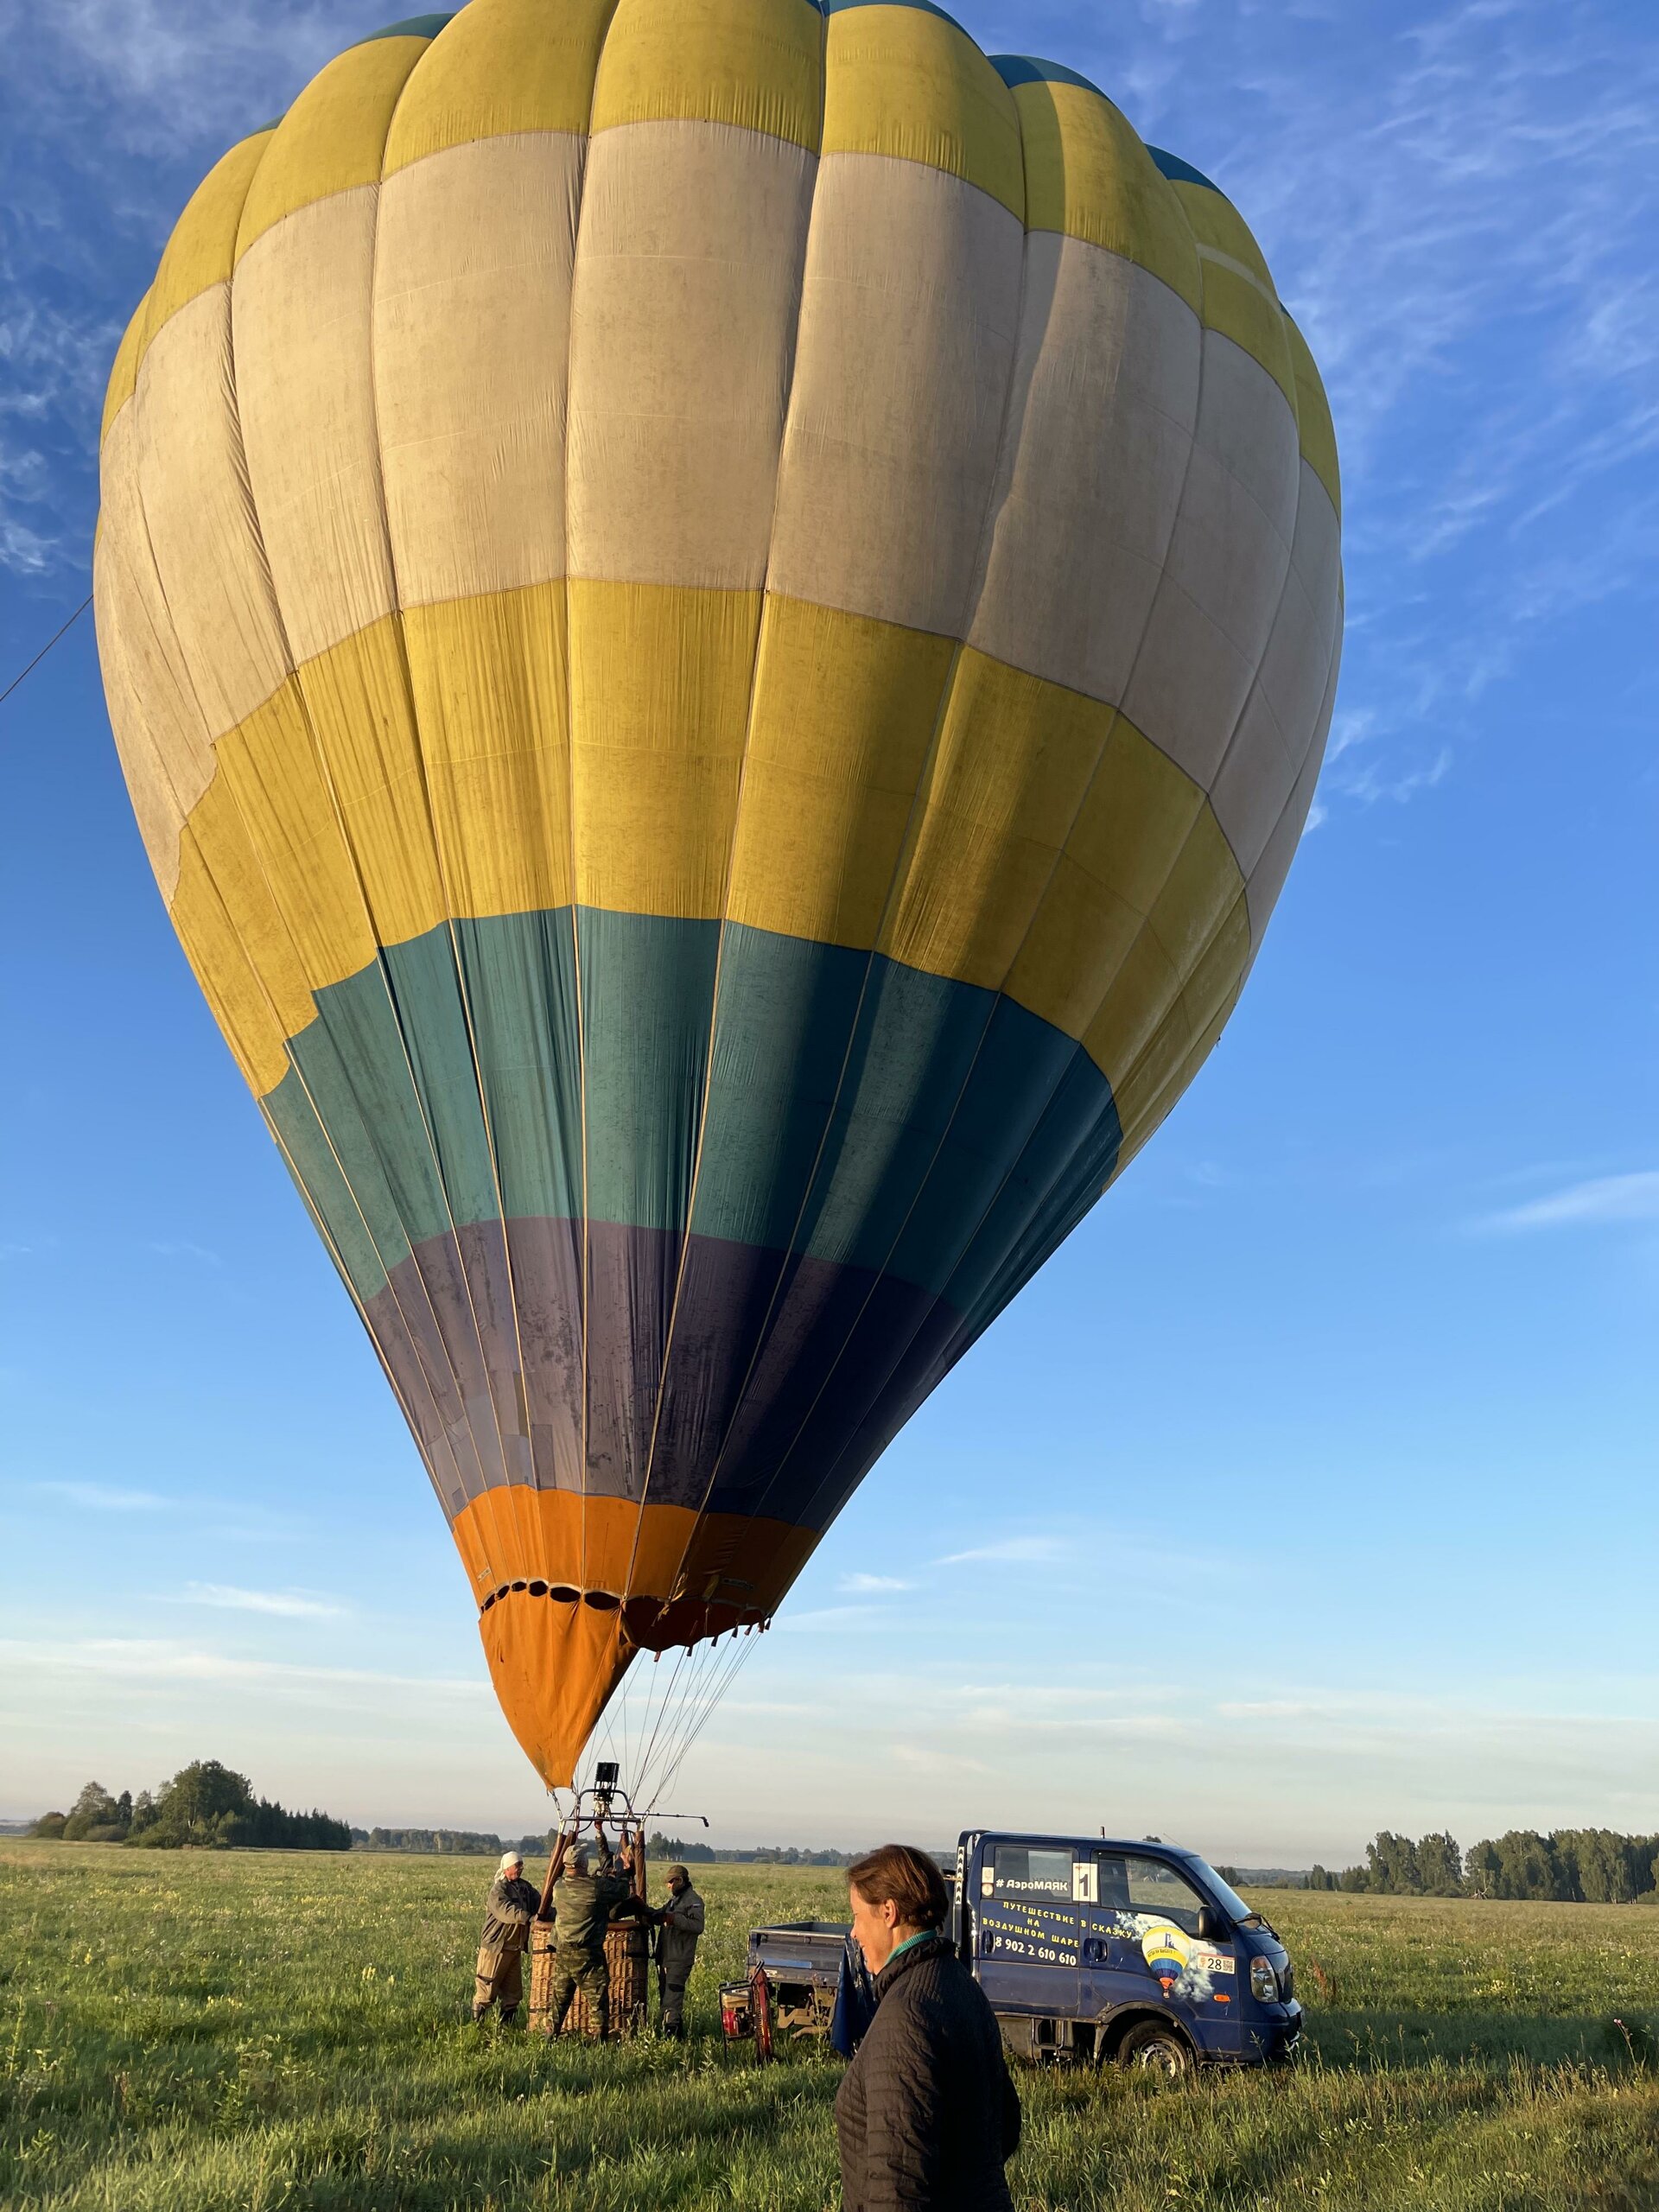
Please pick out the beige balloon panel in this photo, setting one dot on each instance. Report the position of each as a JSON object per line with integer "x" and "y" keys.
{"x": 647, "y": 460}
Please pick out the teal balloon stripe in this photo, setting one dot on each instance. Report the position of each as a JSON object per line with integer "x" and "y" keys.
{"x": 859, "y": 1113}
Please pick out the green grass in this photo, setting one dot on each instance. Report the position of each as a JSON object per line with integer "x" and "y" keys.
{"x": 182, "y": 2031}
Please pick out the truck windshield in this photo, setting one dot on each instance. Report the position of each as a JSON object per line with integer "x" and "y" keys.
{"x": 1232, "y": 1904}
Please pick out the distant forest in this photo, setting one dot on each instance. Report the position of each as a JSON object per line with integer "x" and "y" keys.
{"x": 444, "y": 1843}
{"x": 765, "y": 1855}
{"x": 476, "y": 1843}
{"x": 205, "y": 1806}
{"x": 1568, "y": 1866}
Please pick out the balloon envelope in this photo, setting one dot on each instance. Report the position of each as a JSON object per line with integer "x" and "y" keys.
{"x": 721, "y": 619}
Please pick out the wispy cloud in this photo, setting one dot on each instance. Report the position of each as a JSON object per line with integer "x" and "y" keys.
{"x": 154, "y": 52}
{"x": 771, "y": 1708}
{"x": 183, "y": 1249}
{"x": 51, "y": 369}
{"x": 873, "y": 1585}
{"x": 1011, "y": 1551}
{"x": 928, "y": 1759}
{"x": 286, "y": 1604}
{"x": 105, "y": 1497}
{"x": 1604, "y": 1199}
{"x": 131, "y": 1659}
{"x": 1066, "y": 1697}
{"x": 830, "y": 1617}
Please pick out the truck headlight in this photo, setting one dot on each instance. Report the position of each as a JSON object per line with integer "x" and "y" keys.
{"x": 1264, "y": 1982}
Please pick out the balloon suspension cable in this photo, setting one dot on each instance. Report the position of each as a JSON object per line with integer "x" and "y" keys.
{"x": 56, "y": 638}
{"x": 657, "y": 1714}
{"x": 731, "y": 1665}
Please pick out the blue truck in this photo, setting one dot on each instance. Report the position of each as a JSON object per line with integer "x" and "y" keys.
{"x": 1091, "y": 1951}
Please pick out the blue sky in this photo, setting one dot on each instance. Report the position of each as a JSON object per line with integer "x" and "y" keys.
{"x": 1310, "y": 1488}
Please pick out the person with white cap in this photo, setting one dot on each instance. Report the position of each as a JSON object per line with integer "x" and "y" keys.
{"x": 513, "y": 1905}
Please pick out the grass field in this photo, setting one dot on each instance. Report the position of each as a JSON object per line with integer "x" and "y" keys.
{"x": 186, "y": 2032}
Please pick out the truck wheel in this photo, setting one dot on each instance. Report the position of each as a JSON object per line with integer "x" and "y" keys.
{"x": 1151, "y": 2048}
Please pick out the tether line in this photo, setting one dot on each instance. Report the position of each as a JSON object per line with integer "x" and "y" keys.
{"x": 57, "y": 637}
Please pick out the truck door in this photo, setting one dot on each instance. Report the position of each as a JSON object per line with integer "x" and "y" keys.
{"x": 1139, "y": 1943}
{"x": 1026, "y": 1928}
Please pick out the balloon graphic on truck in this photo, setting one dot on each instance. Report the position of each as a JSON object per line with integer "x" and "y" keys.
{"x": 721, "y": 620}
{"x": 1164, "y": 1948}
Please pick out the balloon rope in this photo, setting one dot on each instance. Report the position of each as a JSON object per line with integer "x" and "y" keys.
{"x": 670, "y": 1722}
{"x": 689, "y": 1702}
{"x": 54, "y": 639}
{"x": 734, "y": 1665}
{"x": 683, "y": 1697}
{"x": 718, "y": 1681}
{"x": 675, "y": 1708}
{"x": 648, "y": 1752}
{"x": 620, "y": 1713}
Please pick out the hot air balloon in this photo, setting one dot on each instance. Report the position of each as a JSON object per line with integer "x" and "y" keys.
{"x": 721, "y": 618}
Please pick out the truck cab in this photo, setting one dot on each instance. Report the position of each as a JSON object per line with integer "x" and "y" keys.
{"x": 1093, "y": 1949}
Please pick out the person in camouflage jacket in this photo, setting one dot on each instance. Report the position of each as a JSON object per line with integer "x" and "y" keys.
{"x": 500, "y": 1973}
{"x": 584, "y": 1905}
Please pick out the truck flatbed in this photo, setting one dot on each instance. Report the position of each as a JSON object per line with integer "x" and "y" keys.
{"x": 802, "y": 1961}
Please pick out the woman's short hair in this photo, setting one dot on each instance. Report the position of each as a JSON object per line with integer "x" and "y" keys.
{"x": 909, "y": 1877}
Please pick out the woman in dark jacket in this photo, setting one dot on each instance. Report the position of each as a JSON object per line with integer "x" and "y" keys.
{"x": 927, "y": 2115}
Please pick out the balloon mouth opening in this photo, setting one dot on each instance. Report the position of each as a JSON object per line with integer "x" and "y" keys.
{"x": 654, "y": 1625}
{"x": 561, "y": 1593}
{"x": 556, "y": 1667}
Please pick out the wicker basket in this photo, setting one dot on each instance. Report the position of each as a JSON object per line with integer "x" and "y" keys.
{"x": 627, "y": 1955}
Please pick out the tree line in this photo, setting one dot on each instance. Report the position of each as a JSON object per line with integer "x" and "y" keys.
{"x": 204, "y": 1806}
{"x": 452, "y": 1843}
{"x": 1568, "y": 1866}
{"x": 479, "y": 1843}
{"x": 443, "y": 1843}
{"x": 765, "y": 1854}
{"x": 670, "y": 1850}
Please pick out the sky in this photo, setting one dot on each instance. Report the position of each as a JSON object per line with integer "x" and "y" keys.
{"x": 1311, "y": 1487}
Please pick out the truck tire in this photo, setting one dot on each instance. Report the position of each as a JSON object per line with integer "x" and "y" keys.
{"x": 1154, "y": 2048}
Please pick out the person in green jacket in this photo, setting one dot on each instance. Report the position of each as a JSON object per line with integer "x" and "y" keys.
{"x": 584, "y": 1905}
